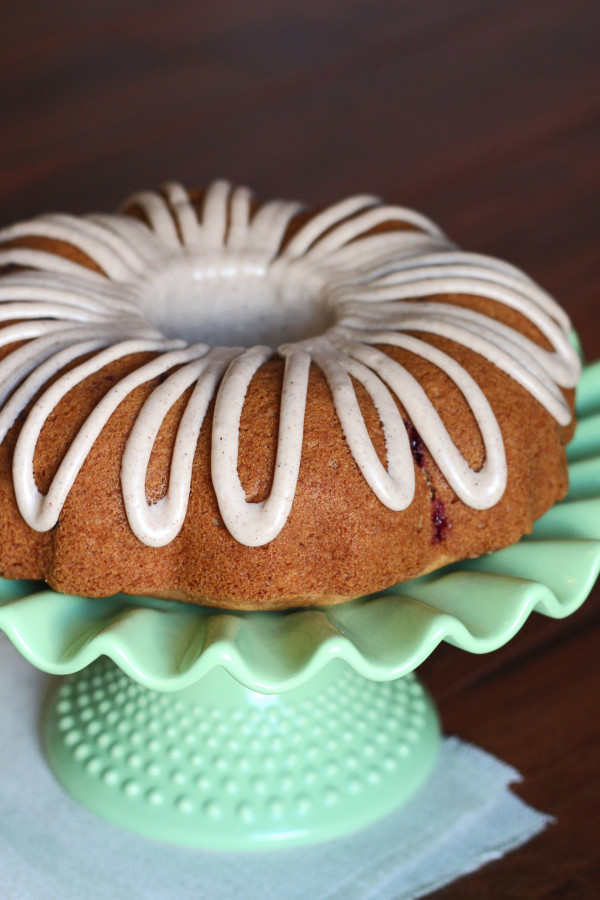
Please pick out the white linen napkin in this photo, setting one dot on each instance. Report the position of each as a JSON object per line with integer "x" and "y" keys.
{"x": 53, "y": 849}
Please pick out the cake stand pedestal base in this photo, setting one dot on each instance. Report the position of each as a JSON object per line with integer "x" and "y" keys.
{"x": 219, "y": 766}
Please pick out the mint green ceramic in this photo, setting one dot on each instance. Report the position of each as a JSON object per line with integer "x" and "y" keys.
{"x": 247, "y": 730}
{"x": 219, "y": 766}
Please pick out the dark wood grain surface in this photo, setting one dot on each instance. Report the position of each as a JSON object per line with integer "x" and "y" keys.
{"x": 483, "y": 113}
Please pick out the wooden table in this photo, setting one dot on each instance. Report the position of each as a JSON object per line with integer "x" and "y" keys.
{"x": 483, "y": 113}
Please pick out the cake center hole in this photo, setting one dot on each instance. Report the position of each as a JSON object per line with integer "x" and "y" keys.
{"x": 228, "y": 302}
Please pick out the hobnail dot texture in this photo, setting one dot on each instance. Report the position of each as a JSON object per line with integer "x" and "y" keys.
{"x": 269, "y": 770}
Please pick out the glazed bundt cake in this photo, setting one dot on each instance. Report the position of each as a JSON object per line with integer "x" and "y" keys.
{"x": 252, "y": 406}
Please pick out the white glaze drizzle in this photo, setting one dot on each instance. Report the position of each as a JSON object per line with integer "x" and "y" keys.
{"x": 373, "y": 286}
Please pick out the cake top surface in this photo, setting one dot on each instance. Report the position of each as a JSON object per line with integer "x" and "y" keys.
{"x": 217, "y": 290}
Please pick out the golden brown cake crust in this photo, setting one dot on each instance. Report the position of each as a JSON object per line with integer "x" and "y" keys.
{"x": 339, "y": 541}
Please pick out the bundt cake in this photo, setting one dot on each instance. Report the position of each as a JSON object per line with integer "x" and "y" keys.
{"x": 253, "y": 406}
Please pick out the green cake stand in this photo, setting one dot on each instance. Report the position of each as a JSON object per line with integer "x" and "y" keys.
{"x": 241, "y": 731}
